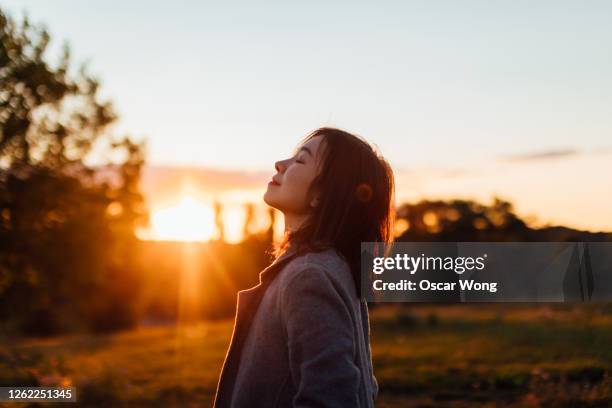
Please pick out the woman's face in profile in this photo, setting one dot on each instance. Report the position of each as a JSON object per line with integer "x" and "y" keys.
{"x": 288, "y": 190}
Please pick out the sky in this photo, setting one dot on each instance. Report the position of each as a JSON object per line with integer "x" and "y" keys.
{"x": 470, "y": 98}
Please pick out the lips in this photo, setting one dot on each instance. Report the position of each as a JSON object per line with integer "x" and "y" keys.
{"x": 273, "y": 182}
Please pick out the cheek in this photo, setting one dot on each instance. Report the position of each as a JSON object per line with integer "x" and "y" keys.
{"x": 295, "y": 188}
{"x": 296, "y": 181}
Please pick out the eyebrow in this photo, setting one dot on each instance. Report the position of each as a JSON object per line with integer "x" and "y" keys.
{"x": 307, "y": 150}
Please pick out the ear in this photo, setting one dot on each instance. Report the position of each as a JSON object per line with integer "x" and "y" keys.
{"x": 315, "y": 201}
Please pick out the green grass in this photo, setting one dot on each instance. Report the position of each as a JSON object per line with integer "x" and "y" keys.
{"x": 493, "y": 355}
{"x": 424, "y": 356}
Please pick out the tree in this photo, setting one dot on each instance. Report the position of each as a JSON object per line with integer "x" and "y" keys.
{"x": 66, "y": 228}
{"x": 460, "y": 220}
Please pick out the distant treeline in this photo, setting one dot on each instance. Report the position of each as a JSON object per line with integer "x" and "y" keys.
{"x": 466, "y": 220}
{"x": 223, "y": 269}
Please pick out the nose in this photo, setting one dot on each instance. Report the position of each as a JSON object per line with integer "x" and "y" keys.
{"x": 280, "y": 166}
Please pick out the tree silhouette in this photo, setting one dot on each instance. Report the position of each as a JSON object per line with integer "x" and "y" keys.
{"x": 466, "y": 220}
{"x": 249, "y": 219}
{"x": 270, "y": 230}
{"x": 66, "y": 228}
{"x": 219, "y": 225}
{"x": 460, "y": 220}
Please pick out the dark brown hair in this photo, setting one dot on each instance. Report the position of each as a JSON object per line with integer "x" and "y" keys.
{"x": 356, "y": 200}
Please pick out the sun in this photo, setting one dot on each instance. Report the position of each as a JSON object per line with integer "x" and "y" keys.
{"x": 188, "y": 220}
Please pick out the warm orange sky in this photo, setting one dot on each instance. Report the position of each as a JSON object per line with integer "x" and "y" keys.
{"x": 567, "y": 188}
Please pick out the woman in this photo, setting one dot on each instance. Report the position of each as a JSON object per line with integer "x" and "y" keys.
{"x": 301, "y": 336}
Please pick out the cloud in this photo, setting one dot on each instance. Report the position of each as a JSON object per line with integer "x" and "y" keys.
{"x": 541, "y": 155}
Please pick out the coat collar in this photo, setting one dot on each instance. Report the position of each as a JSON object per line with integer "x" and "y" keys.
{"x": 267, "y": 273}
{"x": 246, "y": 296}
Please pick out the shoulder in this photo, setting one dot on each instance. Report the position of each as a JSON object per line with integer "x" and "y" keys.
{"x": 327, "y": 266}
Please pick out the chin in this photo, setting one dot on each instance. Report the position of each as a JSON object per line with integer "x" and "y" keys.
{"x": 268, "y": 200}
{"x": 273, "y": 202}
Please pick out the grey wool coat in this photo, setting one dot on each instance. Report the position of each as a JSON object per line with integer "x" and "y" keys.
{"x": 301, "y": 338}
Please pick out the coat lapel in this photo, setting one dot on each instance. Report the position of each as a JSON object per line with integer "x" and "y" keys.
{"x": 247, "y": 303}
{"x": 247, "y": 297}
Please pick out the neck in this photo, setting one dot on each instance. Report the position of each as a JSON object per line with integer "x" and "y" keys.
{"x": 294, "y": 221}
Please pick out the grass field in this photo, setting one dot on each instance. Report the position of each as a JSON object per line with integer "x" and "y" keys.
{"x": 424, "y": 356}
